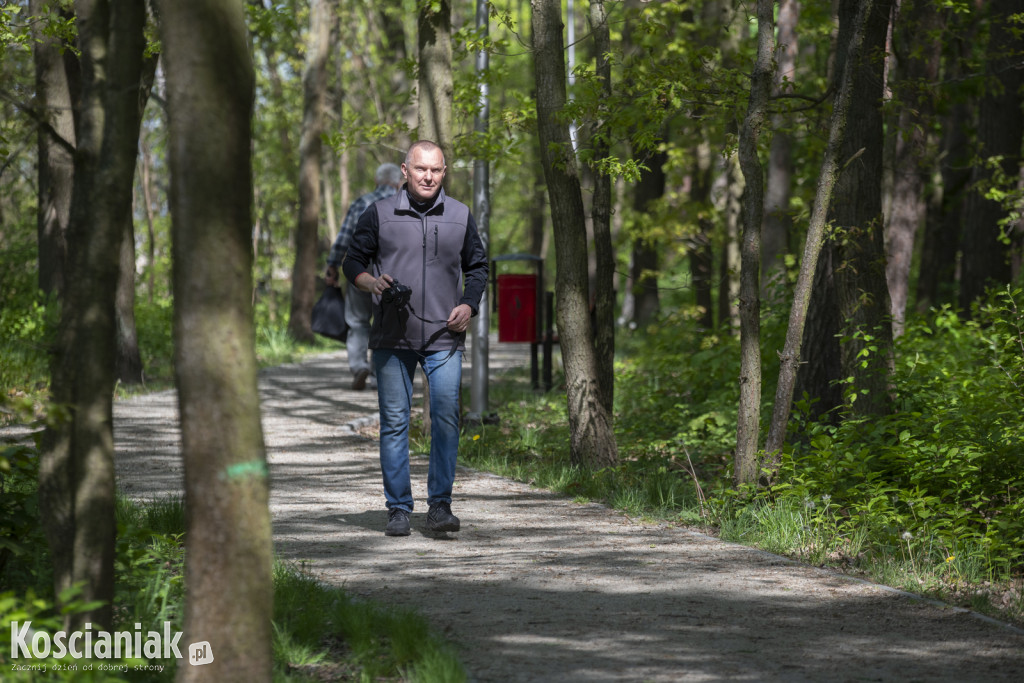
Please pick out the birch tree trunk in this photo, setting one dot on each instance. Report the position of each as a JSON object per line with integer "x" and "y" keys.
{"x": 228, "y": 571}
{"x": 591, "y": 440}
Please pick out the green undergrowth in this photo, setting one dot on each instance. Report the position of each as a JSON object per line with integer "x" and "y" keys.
{"x": 319, "y": 632}
{"x": 929, "y": 500}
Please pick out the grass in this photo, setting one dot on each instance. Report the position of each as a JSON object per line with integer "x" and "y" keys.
{"x": 529, "y": 445}
{"x": 319, "y": 632}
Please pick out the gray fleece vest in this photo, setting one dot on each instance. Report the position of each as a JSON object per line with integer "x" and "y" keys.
{"x": 425, "y": 253}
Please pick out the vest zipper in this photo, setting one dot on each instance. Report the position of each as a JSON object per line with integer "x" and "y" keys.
{"x": 423, "y": 293}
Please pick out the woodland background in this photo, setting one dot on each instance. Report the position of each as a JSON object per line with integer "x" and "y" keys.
{"x": 785, "y": 241}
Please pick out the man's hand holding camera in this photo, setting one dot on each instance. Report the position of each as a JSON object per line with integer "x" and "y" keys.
{"x": 458, "y": 319}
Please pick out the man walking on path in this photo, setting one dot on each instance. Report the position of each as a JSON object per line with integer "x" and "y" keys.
{"x": 419, "y": 255}
{"x": 357, "y": 303}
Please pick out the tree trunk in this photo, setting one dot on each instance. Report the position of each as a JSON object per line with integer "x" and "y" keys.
{"x": 601, "y": 212}
{"x": 830, "y": 167}
{"x": 748, "y": 421}
{"x": 76, "y": 477}
{"x": 146, "y": 182}
{"x": 938, "y": 270}
{"x": 436, "y": 91}
{"x": 592, "y": 440}
{"x": 132, "y": 105}
{"x": 777, "y": 217}
{"x": 699, "y": 250}
{"x": 56, "y": 155}
{"x": 866, "y": 349}
{"x": 314, "y": 88}
{"x": 127, "y": 358}
{"x": 228, "y": 571}
{"x": 730, "y": 207}
{"x": 986, "y": 259}
{"x": 918, "y": 27}
{"x": 645, "y": 261}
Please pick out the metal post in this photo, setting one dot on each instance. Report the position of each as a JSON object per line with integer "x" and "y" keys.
{"x": 481, "y": 211}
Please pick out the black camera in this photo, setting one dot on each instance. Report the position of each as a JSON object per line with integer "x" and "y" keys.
{"x": 396, "y": 295}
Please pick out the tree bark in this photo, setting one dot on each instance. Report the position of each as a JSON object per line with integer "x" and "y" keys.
{"x": 314, "y": 88}
{"x": 918, "y": 26}
{"x": 228, "y": 570}
{"x": 938, "y": 270}
{"x": 128, "y": 357}
{"x": 830, "y": 167}
{"x": 601, "y": 213}
{"x": 131, "y": 106}
{"x": 591, "y": 440}
{"x": 436, "y": 90}
{"x": 985, "y": 260}
{"x": 700, "y": 254}
{"x": 778, "y": 187}
{"x": 748, "y": 423}
{"x": 645, "y": 260}
{"x": 56, "y": 143}
{"x": 866, "y": 348}
{"x": 76, "y": 478}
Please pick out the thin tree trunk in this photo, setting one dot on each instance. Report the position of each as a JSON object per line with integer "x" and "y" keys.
{"x": 830, "y": 167}
{"x": 228, "y": 570}
{"x": 778, "y": 187}
{"x": 645, "y": 261}
{"x": 748, "y": 421}
{"x": 601, "y": 212}
{"x": 700, "y": 255}
{"x": 314, "y": 87}
{"x": 132, "y": 105}
{"x": 146, "y": 180}
{"x": 938, "y": 269}
{"x": 591, "y": 438}
{"x": 128, "y": 358}
{"x": 56, "y": 155}
{"x": 913, "y": 163}
{"x": 730, "y": 207}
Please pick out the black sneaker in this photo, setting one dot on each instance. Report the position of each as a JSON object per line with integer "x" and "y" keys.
{"x": 398, "y": 523}
{"x": 440, "y": 518}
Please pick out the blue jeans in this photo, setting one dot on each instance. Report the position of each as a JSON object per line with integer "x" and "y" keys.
{"x": 395, "y": 370}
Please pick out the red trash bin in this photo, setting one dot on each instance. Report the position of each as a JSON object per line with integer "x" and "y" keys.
{"x": 517, "y": 308}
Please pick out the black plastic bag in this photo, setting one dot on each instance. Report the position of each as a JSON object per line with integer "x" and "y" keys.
{"x": 329, "y": 315}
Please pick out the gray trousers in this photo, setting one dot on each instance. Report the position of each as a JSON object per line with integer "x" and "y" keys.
{"x": 358, "y": 308}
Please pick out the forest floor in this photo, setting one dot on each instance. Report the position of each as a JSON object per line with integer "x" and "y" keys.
{"x": 537, "y": 587}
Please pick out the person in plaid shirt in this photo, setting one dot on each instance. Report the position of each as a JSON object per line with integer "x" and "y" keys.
{"x": 357, "y": 302}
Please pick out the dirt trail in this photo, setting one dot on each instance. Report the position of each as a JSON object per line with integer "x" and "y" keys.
{"x": 539, "y": 588}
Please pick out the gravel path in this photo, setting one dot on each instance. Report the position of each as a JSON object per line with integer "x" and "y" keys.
{"x": 537, "y": 587}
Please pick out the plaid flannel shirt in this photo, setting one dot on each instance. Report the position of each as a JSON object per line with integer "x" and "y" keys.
{"x": 348, "y": 226}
